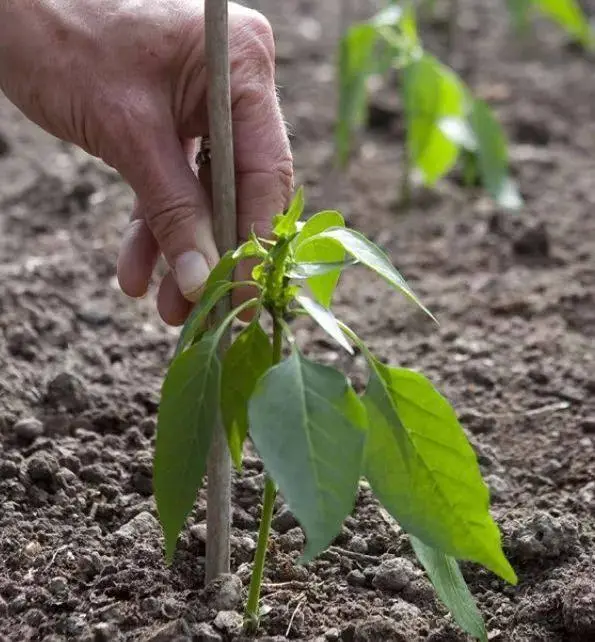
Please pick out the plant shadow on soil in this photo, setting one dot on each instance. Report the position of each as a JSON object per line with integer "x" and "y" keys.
{"x": 81, "y": 366}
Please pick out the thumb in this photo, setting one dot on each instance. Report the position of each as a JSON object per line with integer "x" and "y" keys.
{"x": 175, "y": 207}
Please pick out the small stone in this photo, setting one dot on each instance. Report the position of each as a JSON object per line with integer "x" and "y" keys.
{"x": 176, "y": 630}
{"x": 105, "y": 632}
{"x": 332, "y": 635}
{"x": 28, "y": 429}
{"x": 34, "y": 617}
{"x": 204, "y": 632}
{"x": 67, "y": 391}
{"x": 59, "y": 586}
{"x": 225, "y": 592}
{"x": 578, "y": 609}
{"x": 394, "y": 574}
{"x": 142, "y": 524}
{"x": 356, "y": 578}
{"x": 284, "y": 520}
{"x": 229, "y": 622}
{"x": 199, "y": 532}
{"x": 293, "y": 540}
{"x": 358, "y": 544}
{"x": 93, "y": 474}
{"x": 243, "y": 519}
{"x": 94, "y": 314}
{"x": 42, "y": 468}
{"x": 541, "y": 535}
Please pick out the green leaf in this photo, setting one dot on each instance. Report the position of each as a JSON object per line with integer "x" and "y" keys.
{"x": 309, "y": 269}
{"x": 431, "y": 92}
{"x": 568, "y": 15}
{"x": 422, "y": 468}
{"x": 187, "y": 417}
{"x": 308, "y": 426}
{"x": 458, "y": 131}
{"x": 196, "y": 321}
{"x": 308, "y": 248}
{"x": 285, "y": 225}
{"x": 492, "y": 155}
{"x": 356, "y": 63}
{"x": 326, "y": 320}
{"x": 450, "y": 585}
{"x": 373, "y": 257}
{"x": 245, "y": 361}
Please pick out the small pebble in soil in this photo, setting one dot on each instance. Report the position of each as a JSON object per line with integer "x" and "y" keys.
{"x": 394, "y": 574}
{"x": 142, "y": 524}
{"x": 578, "y": 608}
{"x": 204, "y": 632}
{"x": 225, "y": 592}
{"x": 230, "y": 622}
{"x": 358, "y": 544}
{"x": 41, "y": 470}
{"x": 356, "y": 578}
{"x": 332, "y": 635}
{"x": 293, "y": 540}
{"x": 28, "y": 429}
{"x": 284, "y": 520}
{"x": 67, "y": 391}
{"x": 540, "y": 535}
{"x": 105, "y": 632}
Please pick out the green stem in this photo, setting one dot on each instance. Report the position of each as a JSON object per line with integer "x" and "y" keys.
{"x": 268, "y": 503}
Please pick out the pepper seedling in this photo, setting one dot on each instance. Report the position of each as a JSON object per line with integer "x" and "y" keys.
{"x": 316, "y": 437}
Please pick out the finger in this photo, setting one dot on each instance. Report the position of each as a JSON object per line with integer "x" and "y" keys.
{"x": 172, "y": 306}
{"x": 138, "y": 256}
{"x": 173, "y": 204}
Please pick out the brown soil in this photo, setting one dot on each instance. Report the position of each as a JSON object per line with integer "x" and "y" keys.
{"x": 81, "y": 366}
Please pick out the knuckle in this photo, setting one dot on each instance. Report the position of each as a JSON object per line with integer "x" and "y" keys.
{"x": 252, "y": 43}
{"x": 169, "y": 221}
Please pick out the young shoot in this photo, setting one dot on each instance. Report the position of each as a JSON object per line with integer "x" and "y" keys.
{"x": 316, "y": 437}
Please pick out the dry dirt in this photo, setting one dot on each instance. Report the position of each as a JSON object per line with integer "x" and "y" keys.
{"x": 81, "y": 366}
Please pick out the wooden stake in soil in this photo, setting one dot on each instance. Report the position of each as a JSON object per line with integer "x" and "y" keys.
{"x": 224, "y": 224}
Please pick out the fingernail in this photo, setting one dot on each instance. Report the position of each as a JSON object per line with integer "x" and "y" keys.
{"x": 192, "y": 271}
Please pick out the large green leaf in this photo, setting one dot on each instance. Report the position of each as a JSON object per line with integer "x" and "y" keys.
{"x": 422, "y": 468}
{"x": 245, "y": 361}
{"x": 318, "y": 250}
{"x": 431, "y": 92}
{"x": 446, "y": 576}
{"x": 309, "y": 427}
{"x": 309, "y": 269}
{"x": 326, "y": 320}
{"x": 492, "y": 155}
{"x": 372, "y": 257}
{"x": 356, "y": 62}
{"x": 568, "y": 15}
{"x": 188, "y": 415}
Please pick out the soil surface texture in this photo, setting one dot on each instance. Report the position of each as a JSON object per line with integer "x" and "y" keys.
{"x": 81, "y": 366}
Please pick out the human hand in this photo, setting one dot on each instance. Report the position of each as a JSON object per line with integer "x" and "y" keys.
{"x": 126, "y": 82}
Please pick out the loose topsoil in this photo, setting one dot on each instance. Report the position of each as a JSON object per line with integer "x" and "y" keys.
{"x": 81, "y": 366}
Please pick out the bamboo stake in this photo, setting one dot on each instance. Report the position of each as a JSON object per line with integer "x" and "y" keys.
{"x": 225, "y": 229}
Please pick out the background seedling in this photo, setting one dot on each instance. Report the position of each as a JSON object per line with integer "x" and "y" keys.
{"x": 315, "y": 435}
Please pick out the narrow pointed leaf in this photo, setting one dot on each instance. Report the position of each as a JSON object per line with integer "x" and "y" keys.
{"x": 450, "y": 585}
{"x": 492, "y": 155}
{"x": 312, "y": 249}
{"x": 188, "y": 415}
{"x": 422, "y": 468}
{"x": 196, "y": 322}
{"x": 373, "y": 257}
{"x": 245, "y": 361}
{"x": 285, "y": 225}
{"x": 308, "y": 426}
{"x": 326, "y": 320}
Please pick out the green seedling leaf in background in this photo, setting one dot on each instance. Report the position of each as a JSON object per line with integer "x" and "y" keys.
{"x": 187, "y": 417}
{"x": 492, "y": 155}
{"x": 312, "y": 249}
{"x": 450, "y": 585}
{"x": 423, "y": 470}
{"x": 431, "y": 94}
{"x": 326, "y": 320}
{"x": 307, "y": 425}
{"x": 285, "y": 225}
{"x": 245, "y": 361}
{"x": 372, "y": 257}
{"x": 568, "y": 15}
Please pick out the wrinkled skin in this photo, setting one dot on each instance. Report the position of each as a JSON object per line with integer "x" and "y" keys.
{"x": 125, "y": 80}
